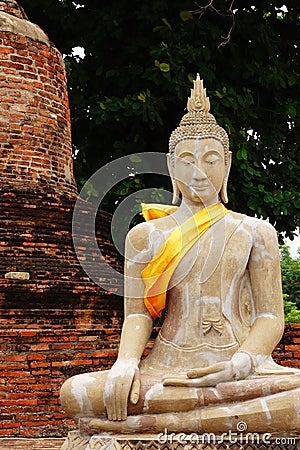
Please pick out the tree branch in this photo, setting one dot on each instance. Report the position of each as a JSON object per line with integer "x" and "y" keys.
{"x": 210, "y": 6}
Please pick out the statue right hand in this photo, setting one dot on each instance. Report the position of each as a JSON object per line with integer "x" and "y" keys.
{"x": 122, "y": 383}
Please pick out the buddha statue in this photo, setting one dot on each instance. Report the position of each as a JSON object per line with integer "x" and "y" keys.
{"x": 217, "y": 274}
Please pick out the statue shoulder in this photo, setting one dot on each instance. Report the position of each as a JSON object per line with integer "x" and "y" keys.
{"x": 260, "y": 226}
{"x": 138, "y": 236}
{"x": 260, "y": 230}
{"x": 141, "y": 236}
{"x": 264, "y": 237}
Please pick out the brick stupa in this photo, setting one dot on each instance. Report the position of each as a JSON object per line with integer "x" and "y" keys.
{"x": 56, "y": 322}
{"x": 35, "y": 136}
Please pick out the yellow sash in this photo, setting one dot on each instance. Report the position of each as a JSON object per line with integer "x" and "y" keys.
{"x": 157, "y": 274}
{"x": 152, "y": 211}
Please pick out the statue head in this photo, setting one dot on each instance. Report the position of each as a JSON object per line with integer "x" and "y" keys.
{"x": 199, "y": 124}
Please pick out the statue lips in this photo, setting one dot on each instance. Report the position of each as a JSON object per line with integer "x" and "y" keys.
{"x": 199, "y": 188}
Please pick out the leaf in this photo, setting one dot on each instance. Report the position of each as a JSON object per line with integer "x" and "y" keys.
{"x": 297, "y": 203}
{"x": 268, "y": 197}
{"x": 240, "y": 100}
{"x": 242, "y": 154}
{"x": 135, "y": 159}
{"x": 164, "y": 20}
{"x": 142, "y": 97}
{"x": 164, "y": 67}
{"x": 292, "y": 79}
{"x": 291, "y": 110}
{"x": 186, "y": 16}
{"x": 122, "y": 191}
{"x": 110, "y": 73}
{"x": 252, "y": 203}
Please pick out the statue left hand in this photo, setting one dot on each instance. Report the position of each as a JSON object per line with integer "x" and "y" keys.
{"x": 238, "y": 368}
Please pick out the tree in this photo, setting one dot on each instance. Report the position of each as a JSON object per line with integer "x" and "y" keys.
{"x": 130, "y": 90}
{"x": 290, "y": 271}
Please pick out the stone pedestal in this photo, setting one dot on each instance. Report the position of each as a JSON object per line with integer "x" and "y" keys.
{"x": 180, "y": 441}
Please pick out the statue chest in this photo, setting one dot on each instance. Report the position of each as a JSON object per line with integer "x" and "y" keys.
{"x": 208, "y": 285}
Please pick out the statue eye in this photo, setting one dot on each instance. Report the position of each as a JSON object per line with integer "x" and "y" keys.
{"x": 187, "y": 161}
{"x": 212, "y": 160}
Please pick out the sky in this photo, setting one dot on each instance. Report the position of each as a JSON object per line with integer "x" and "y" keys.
{"x": 294, "y": 246}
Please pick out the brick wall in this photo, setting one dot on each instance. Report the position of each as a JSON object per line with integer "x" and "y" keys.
{"x": 35, "y": 132}
{"x": 287, "y": 353}
{"x": 39, "y": 350}
{"x": 58, "y": 322}
{"x": 12, "y": 7}
{"x": 37, "y": 354}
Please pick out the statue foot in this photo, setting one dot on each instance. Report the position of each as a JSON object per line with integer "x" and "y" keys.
{"x": 148, "y": 423}
{"x": 273, "y": 413}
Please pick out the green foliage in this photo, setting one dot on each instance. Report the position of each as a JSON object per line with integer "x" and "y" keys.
{"x": 290, "y": 271}
{"x": 130, "y": 90}
{"x": 291, "y": 313}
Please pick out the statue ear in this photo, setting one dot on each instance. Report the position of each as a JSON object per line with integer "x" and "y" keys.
{"x": 223, "y": 191}
{"x": 173, "y": 180}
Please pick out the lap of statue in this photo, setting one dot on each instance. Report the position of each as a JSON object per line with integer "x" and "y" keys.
{"x": 263, "y": 402}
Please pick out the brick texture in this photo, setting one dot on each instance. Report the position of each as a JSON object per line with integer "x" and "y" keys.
{"x": 41, "y": 348}
{"x": 57, "y": 323}
{"x": 35, "y": 131}
{"x": 12, "y": 7}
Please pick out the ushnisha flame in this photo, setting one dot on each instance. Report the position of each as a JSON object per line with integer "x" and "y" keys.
{"x": 198, "y": 123}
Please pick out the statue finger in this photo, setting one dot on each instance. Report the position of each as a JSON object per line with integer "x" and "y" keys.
{"x": 118, "y": 404}
{"x": 109, "y": 405}
{"x": 108, "y": 399}
{"x": 122, "y": 393}
{"x": 214, "y": 378}
{"x": 135, "y": 388}
{"x": 206, "y": 381}
{"x": 203, "y": 371}
{"x": 114, "y": 405}
{"x": 175, "y": 381}
{"x": 183, "y": 382}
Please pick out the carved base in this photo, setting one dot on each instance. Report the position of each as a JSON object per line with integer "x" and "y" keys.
{"x": 79, "y": 441}
{"x": 76, "y": 441}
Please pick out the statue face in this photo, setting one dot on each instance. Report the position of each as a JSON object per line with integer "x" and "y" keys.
{"x": 199, "y": 169}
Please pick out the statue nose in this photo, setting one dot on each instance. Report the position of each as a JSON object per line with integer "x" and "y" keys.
{"x": 199, "y": 173}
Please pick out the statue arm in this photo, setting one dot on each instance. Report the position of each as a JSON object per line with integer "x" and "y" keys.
{"x": 264, "y": 268}
{"x": 138, "y": 323}
{"x": 123, "y": 383}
